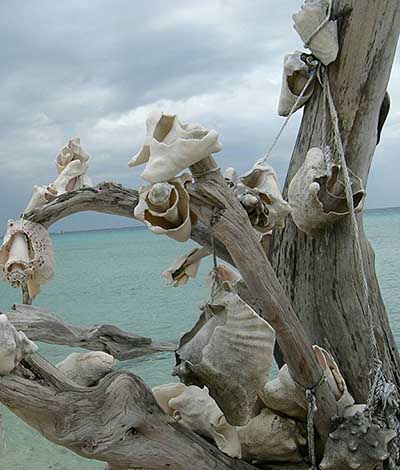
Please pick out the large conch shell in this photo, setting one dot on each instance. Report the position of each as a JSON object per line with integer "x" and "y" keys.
{"x": 164, "y": 393}
{"x": 171, "y": 146}
{"x": 14, "y": 346}
{"x": 41, "y": 195}
{"x": 317, "y": 196}
{"x": 185, "y": 267}
{"x": 258, "y": 192}
{"x": 325, "y": 44}
{"x": 27, "y": 256}
{"x": 165, "y": 208}
{"x": 230, "y": 350}
{"x": 297, "y": 70}
{"x": 74, "y": 175}
{"x": 356, "y": 443}
{"x": 86, "y": 369}
{"x": 271, "y": 437}
{"x": 200, "y": 413}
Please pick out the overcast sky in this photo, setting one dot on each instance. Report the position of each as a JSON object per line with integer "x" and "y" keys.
{"x": 94, "y": 69}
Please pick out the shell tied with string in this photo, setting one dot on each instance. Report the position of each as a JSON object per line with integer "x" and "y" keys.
{"x": 170, "y": 147}
{"x": 27, "y": 256}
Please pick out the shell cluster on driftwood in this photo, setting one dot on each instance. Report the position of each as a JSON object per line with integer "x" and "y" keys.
{"x": 317, "y": 196}
{"x": 27, "y": 256}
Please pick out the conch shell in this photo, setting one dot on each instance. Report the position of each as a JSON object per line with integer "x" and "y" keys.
{"x": 170, "y": 147}
{"x": 86, "y": 369}
{"x": 27, "y": 256}
{"x": 316, "y": 193}
{"x": 14, "y": 346}
{"x": 229, "y": 350}
{"x": 325, "y": 44}
{"x": 297, "y": 69}
{"x": 72, "y": 175}
{"x": 200, "y": 413}
{"x": 165, "y": 208}
{"x": 271, "y": 437}
{"x": 185, "y": 267}
{"x": 164, "y": 393}
{"x": 40, "y": 197}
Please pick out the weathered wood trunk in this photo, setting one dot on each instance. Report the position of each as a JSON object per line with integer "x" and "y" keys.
{"x": 320, "y": 274}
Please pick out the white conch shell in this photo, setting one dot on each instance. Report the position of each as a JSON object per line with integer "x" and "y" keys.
{"x": 264, "y": 181}
{"x": 164, "y": 393}
{"x": 296, "y": 73}
{"x": 28, "y": 247}
{"x": 200, "y": 413}
{"x": 14, "y": 346}
{"x": 271, "y": 437}
{"x": 316, "y": 193}
{"x": 175, "y": 220}
{"x": 72, "y": 177}
{"x": 40, "y": 197}
{"x": 230, "y": 350}
{"x": 87, "y": 368}
{"x": 170, "y": 147}
{"x": 325, "y": 44}
{"x": 185, "y": 267}
{"x": 334, "y": 379}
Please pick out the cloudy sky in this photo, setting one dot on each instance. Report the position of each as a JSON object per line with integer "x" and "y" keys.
{"x": 94, "y": 69}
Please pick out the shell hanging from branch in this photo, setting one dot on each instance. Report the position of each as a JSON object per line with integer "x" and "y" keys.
{"x": 356, "y": 443}
{"x": 171, "y": 146}
{"x": 229, "y": 350}
{"x": 200, "y": 413}
{"x": 185, "y": 267}
{"x": 164, "y": 393}
{"x": 297, "y": 69}
{"x": 271, "y": 437}
{"x": 86, "y": 369}
{"x": 27, "y": 256}
{"x": 258, "y": 192}
{"x": 165, "y": 208}
{"x": 324, "y": 44}
{"x": 14, "y": 346}
{"x": 317, "y": 195}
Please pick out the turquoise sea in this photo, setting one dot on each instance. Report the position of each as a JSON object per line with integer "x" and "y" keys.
{"x": 114, "y": 276}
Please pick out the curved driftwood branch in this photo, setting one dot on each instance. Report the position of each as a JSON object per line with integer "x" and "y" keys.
{"x": 117, "y": 421}
{"x": 40, "y": 325}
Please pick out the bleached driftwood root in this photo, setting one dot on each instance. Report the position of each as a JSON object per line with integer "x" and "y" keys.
{"x": 40, "y": 325}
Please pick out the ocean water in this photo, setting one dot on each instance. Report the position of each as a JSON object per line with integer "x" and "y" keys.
{"x": 114, "y": 276}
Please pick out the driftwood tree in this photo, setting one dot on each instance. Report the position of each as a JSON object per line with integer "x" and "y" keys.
{"x": 308, "y": 288}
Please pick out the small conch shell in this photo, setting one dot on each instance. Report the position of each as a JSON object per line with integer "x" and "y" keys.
{"x": 86, "y": 369}
{"x": 170, "y": 147}
{"x": 230, "y": 350}
{"x": 356, "y": 443}
{"x": 27, "y": 255}
{"x": 316, "y": 193}
{"x": 40, "y": 197}
{"x": 14, "y": 346}
{"x": 164, "y": 393}
{"x": 71, "y": 163}
{"x": 271, "y": 437}
{"x": 165, "y": 208}
{"x": 185, "y": 267}
{"x": 297, "y": 68}
{"x": 200, "y": 413}
{"x": 325, "y": 44}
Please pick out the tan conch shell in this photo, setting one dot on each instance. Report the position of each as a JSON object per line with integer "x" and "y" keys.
{"x": 14, "y": 346}
{"x": 356, "y": 443}
{"x": 229, "y": 350}
{"x": 164, "y": 393}
{"x": 165, "y": 208}
{"x": 200, "y": 413}
{"x": 72, "y": 176}
{"x": 26, "y": 255}
{"x": 40, "y": 197}
{"x": 88, "y": 368}
{"x": 225, "y": 274}
{"x": 297, "y": 68}
{"x": 185, "y": 267}
{"x": 170, "y": 147}
{"x": 271, "y": 437}
{"x": 325, "y": 44}
{"x": 316, "y": 193}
